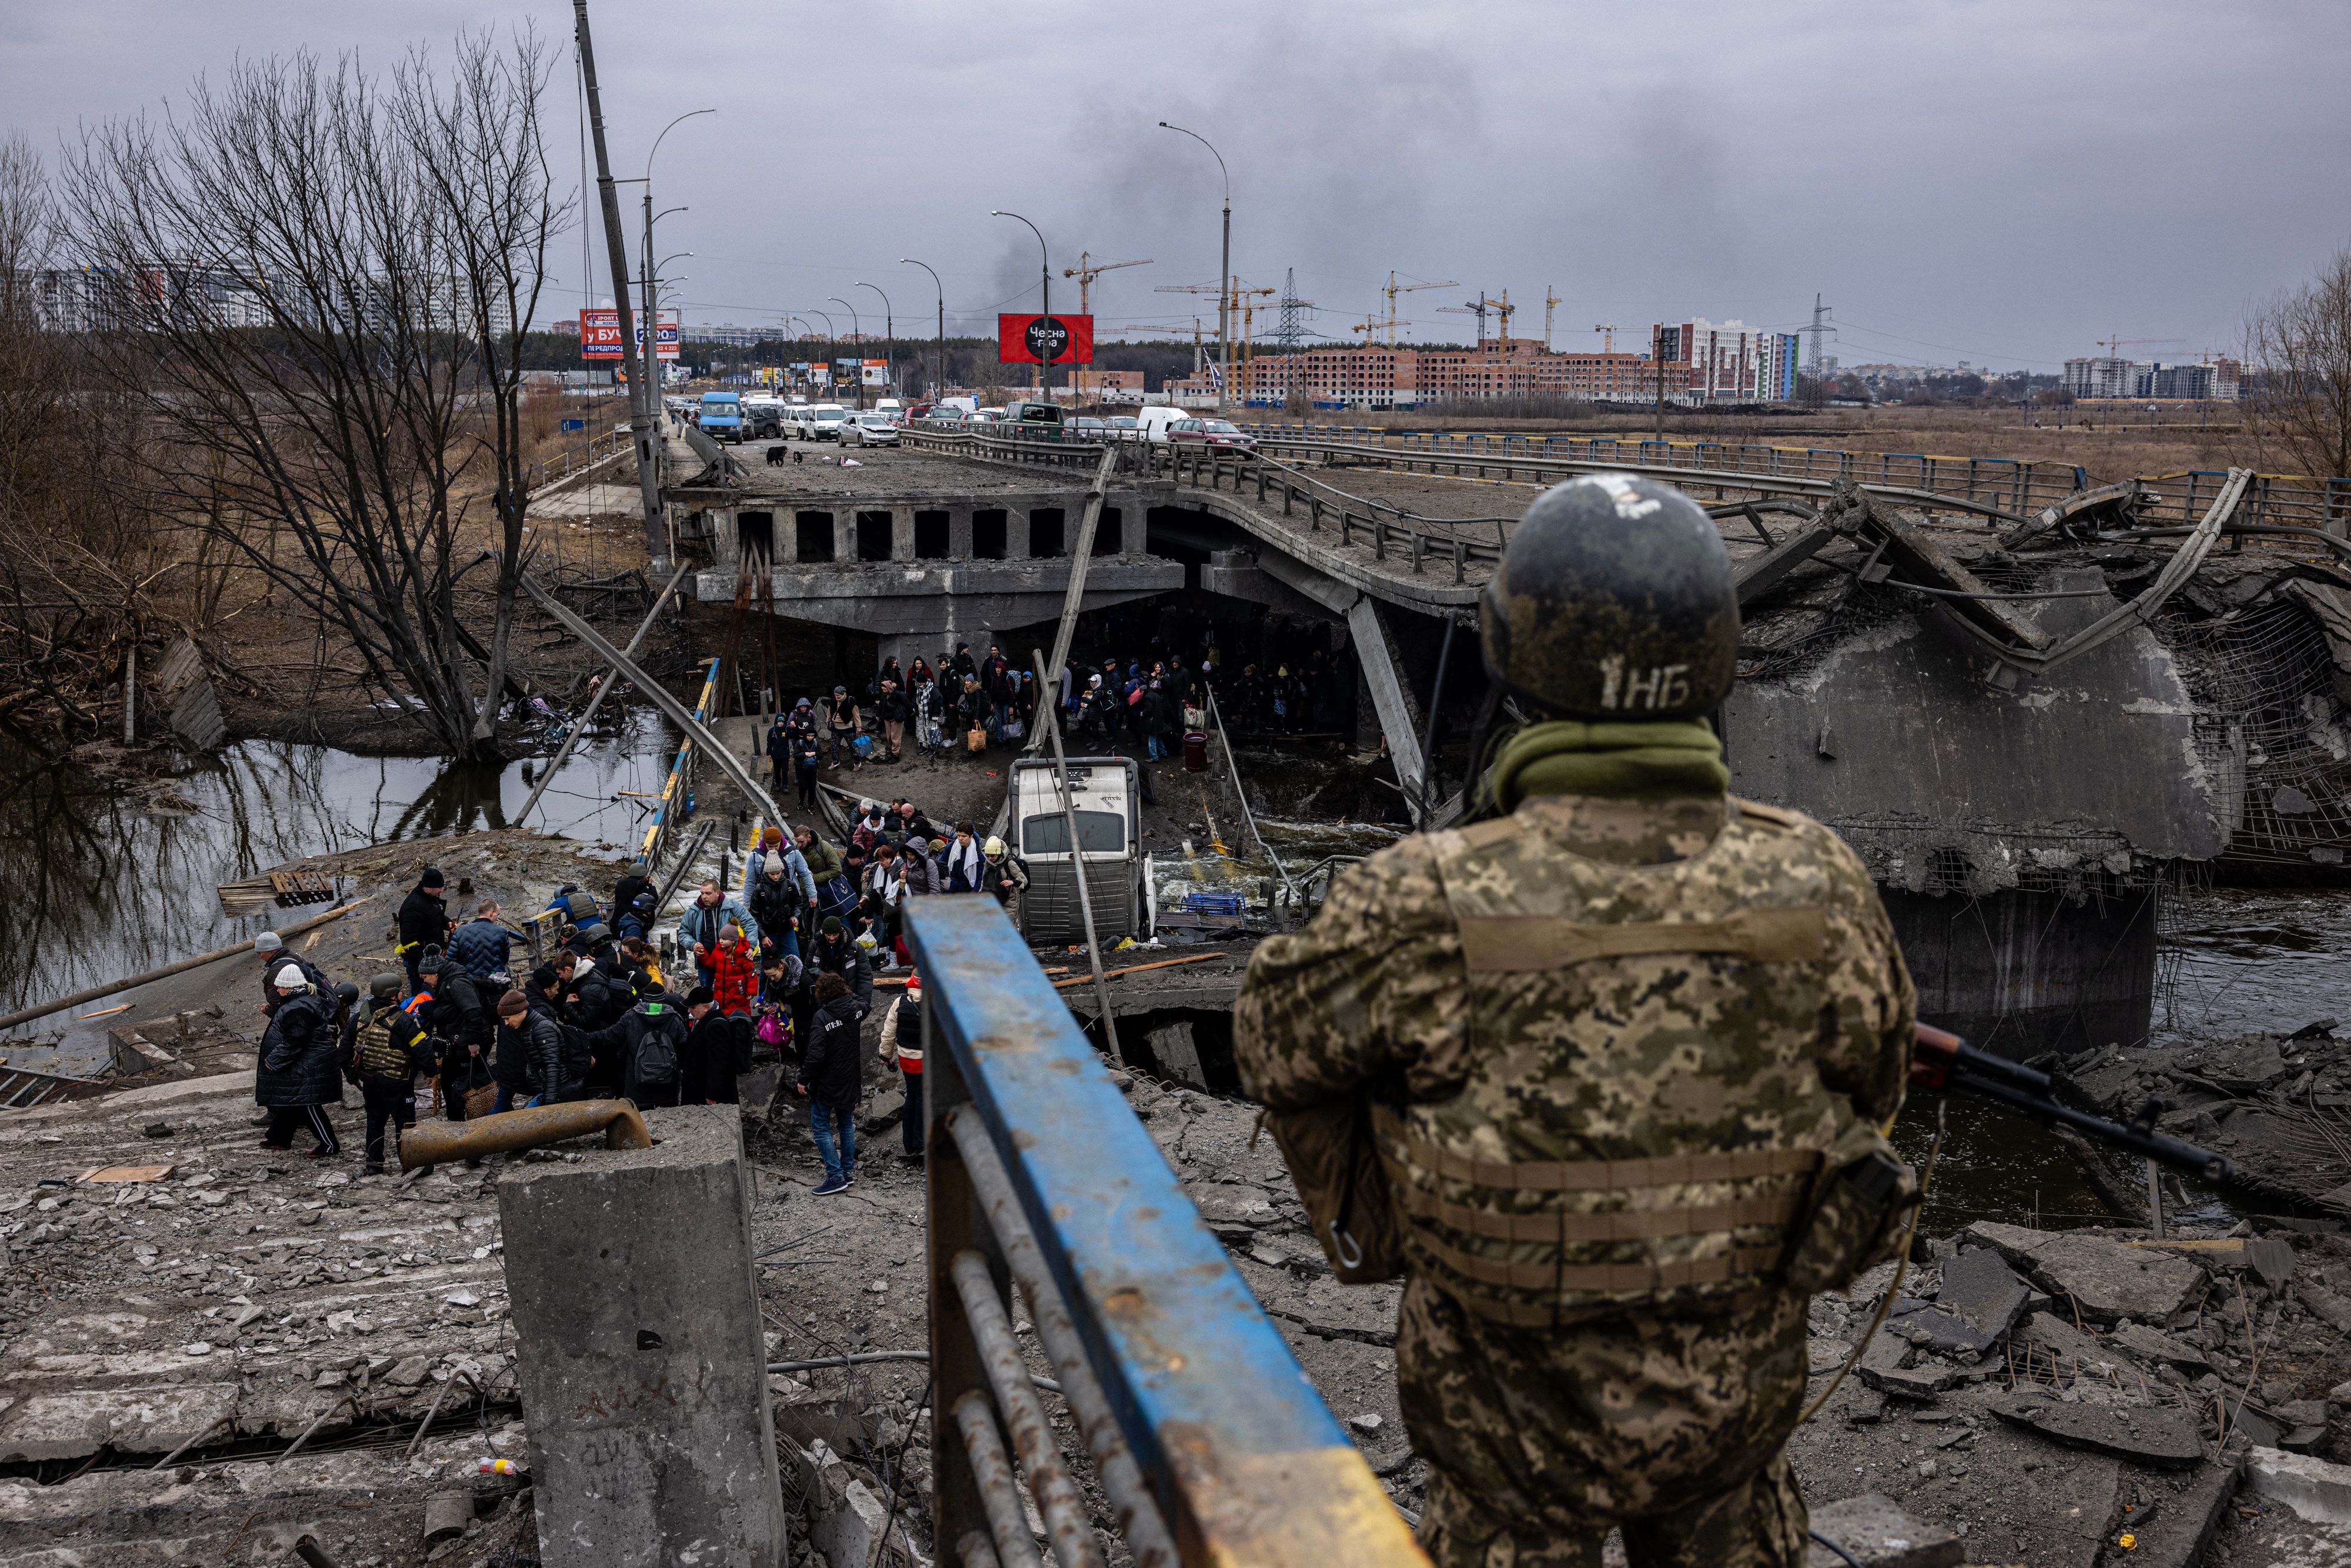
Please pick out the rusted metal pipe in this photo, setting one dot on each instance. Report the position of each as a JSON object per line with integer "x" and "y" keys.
{"x": 432, "y": 1143}
{"x": 993, "y": 1472}
{"x": 1139, "y": 1519}
{"x": 975, "y": 1551}
{"x": 309, "y": 1549}
{"x": 1066, "y": 1525}
{"x": 164, "y": 1463}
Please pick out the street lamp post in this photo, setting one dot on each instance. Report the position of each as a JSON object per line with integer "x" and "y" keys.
{"x": 1044, "y": 304}
{"x": 831, "y": 341}
{"x": 651, "y": 326}
{"x": 939, "y": 370}
{"x": 1224, "y": 274}
{"x": 857, "y": 336}
{"x": 889, "y": 335}
{"x": 653, "y": 280}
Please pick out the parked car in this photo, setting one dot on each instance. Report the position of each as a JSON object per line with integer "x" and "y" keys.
{"x": 915, "y": 410}
{"x": 1126, "y": 426}
{"x": 1085, "y": 427}
{"x": 824, "y": 420}
{"x": 947, "y": 413}
{"x": 1217, "y": 432}
{"x": 1153, "y": 419}
{"x": 873, "y": 428}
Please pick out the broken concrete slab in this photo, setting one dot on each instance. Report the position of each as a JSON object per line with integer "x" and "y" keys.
{"x": 1943, "y": 1334}
{"x": 1886, "y": 1367}
{"x": 2271, "y": 1259}
{"x": 1878, "y": 1534}
{"x": 2076, "y": 1351}
{"x": 2163, "y": 1438}
{"x": 2156, "y": 1348}
{"x": 2177, "y": 1533}
{"x": 1981, "y": 1288}
{"x": 2318, "y": 1491}
{"x": 2104, "y": 1279}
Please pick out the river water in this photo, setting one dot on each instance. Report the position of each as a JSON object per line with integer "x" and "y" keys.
{"x": 94, "y": 883}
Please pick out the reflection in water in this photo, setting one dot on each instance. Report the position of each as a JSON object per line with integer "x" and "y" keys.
{"x": 99, "y": 885}
{"x": 2235, "y": 960}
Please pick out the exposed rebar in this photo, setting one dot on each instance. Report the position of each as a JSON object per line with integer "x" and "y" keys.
{"x": 992, "y": 1471}
{"x": 1066, "y": 1525}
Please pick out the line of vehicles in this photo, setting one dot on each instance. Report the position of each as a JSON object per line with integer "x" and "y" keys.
{"x": 738, "y": 417}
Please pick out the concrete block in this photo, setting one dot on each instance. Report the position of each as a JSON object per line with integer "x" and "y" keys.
{"x": 638, "y": 1345}
{"x": 1980, "y": 1288}
{"x": 1874, "y": 1528}
{"x": 2105, "y": 1279}
{"x": 846, "y": 1534}
{"x": 1178, "y": 1055}
{"x": 2318, "y": 1490}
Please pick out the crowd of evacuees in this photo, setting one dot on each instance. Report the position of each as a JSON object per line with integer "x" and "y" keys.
{"x": 970, "y": 702}
{"x": 625, "y": 1004}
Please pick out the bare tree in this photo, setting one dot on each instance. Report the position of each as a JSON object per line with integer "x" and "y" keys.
{"x": 318, "y": 283}
{"x": 75, "y": 561}
{"x": 2298, "y": 347}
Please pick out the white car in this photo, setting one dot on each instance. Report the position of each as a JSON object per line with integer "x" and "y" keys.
{"x": 873, "y": 428}
{"x": 822, "y": 422}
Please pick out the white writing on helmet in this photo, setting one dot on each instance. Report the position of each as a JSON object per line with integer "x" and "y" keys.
{"x": 1657, "y": 686}
{"x": 1629, "y": 502}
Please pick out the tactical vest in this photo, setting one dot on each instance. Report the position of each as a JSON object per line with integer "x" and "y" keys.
{"x": 1644, "y": 1116}
{"x": 380, "y": 1049}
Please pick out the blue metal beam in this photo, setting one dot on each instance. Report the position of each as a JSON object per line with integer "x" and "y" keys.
{"x": 1250, "y": 1467}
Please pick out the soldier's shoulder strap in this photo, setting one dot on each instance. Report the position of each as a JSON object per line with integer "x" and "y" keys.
{"x": 1493, "y": 831}
{"x": 1774, "y": 816}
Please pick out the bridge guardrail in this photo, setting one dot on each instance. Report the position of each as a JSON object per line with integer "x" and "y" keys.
{"x": 572, "y": 459}
{"x": 678, "y": 788}
{"x": 1208, "y": 1441}
{"x": 2018, "y": 487}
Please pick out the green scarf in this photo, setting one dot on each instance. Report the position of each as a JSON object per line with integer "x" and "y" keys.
{"x": 1618, "y": 761}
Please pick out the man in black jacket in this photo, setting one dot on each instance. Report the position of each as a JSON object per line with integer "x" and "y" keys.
{"x": 300, "y": 1071}
{"x": 706, "y": 1065}
{"x": 830, "y": 1078}
{"x": 780, "y": 751}
{"x": 646, "y": 1044}
{"x": 457, "y": 1016}
{"x": 390, "y": 1048}
{"x": 536, "y": 1064}
{"x": 424, "y": 923}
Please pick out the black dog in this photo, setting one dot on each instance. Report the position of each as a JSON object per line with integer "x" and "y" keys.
{"x": 775, "y": 457}
{"x": 799, "y": 456}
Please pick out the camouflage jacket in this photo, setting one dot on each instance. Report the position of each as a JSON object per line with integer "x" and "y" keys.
{"x": 1593, "y": 980}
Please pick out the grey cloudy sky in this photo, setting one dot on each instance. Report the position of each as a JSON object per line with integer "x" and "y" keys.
{"x": 1997, "y": 181}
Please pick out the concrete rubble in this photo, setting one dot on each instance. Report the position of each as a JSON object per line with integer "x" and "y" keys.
{"x": 2035, "y": 1396}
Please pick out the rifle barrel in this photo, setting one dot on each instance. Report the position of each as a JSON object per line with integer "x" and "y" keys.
{"x": 2165, "y": 1150}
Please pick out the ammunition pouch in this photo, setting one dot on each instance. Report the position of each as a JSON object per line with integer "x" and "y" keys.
{"x": 1334, "y": 1160}
{"x": 1854, "y": 1216}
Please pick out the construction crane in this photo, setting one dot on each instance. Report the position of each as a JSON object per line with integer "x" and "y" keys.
{"x": 1551, "y": 303}
{"x": 1087, "y": 269}
{"x": 2114, "y": 346}
{"x": 1607, "y": 330}
{"x": 1395, "y": 289}
{"x": 1478, "y": 307}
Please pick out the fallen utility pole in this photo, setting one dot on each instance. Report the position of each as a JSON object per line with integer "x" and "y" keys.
{"x": 1078, "y": 867}
{"x": 678, "y": 712}
{"x": 643, "y": 402}
{"x": 93, "y": 993}
{"x": 1240, "y": 793}
{"x": 1088, "y": 521}
{"x": 597, "y": 701}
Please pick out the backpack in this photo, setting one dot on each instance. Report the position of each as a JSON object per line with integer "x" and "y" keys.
{"x": 656, "y": 1061}
{"x": 377, "y": 1053}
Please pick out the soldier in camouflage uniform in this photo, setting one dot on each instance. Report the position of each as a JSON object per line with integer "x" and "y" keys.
{"x": 1611, "y": 1035}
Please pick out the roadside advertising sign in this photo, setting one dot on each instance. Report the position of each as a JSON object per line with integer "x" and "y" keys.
{"x": 599, "y": 335}
{"x": 1044, "y": 339}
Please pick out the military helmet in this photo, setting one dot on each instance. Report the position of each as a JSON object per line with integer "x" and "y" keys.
{"x": 1614, "y": 601}
{"x": 385, "y": 988}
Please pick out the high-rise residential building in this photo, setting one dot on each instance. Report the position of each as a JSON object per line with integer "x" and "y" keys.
{"x": 1731, "y": 362}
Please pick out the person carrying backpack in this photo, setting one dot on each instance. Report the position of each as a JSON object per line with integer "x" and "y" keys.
{"x": 299, "y": 1074}
{"x": 647, "y": 1040}
{"x": 540, "y": 1054}
{"x": 389, "y": 1049}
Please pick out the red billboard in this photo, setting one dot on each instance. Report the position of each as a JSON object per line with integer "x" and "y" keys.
{"x": 599, "y": 335}
{"x": 1044, "y": 339}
